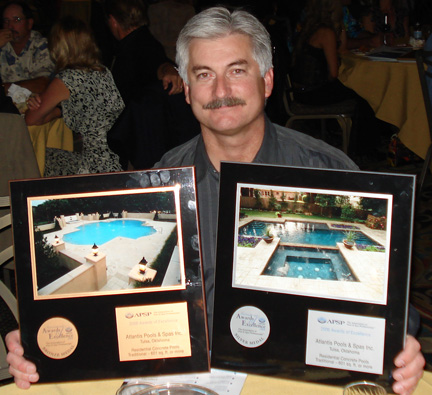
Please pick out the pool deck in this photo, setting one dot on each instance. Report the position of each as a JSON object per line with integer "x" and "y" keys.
{"x": 370, "y": 268}
{"x": 122, "y": 253}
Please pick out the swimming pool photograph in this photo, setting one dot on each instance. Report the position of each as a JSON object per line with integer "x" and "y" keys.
{"x": 106, "y": 242}
{"x": 312, "y": 242}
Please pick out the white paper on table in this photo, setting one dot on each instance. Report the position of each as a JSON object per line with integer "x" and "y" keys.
{"x": 220, "y": 381}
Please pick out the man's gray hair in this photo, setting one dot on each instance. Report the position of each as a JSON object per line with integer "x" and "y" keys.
{"x": 219, "y": 22}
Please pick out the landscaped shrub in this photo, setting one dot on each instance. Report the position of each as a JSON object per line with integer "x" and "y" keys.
{"x": 258, "y": 200}
{"x": 272, "y": 201}
{"x": 376, "y": 222}
{"x": 48, "y": 264}
{"x": 348, "y": 213}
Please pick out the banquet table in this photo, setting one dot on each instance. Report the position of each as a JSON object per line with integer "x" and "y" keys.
{"x": 254, "y": 385}
{"x": 53, "y": 134}
{"x": 394, "y": 92}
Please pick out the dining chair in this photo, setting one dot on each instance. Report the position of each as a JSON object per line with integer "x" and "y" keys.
{"x": 8, "y": 303}
{"x": 342, "y": 112}
{"x": 424, "y": 67}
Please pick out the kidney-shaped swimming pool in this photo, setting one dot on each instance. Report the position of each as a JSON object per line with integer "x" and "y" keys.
{"x": 102, "y": 232}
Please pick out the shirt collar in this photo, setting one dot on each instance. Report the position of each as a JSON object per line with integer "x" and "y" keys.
{"x": 269, "y": 144}
{"x": 203, "y": 164}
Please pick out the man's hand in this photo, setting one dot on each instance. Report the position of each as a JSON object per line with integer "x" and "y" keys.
{"x": 169, "y": 75}
{"x": 5, "y": 37}
{"x": 409, "y": 367}
{"x": 24, "y": 371}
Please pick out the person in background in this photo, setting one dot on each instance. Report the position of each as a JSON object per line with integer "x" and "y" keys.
{"x": 316, "y": 67}
{"x": 24, "y": 55}
{"x": 156, "y": 117}
{"x": 225, "y": 60}
{"x": 84, "y": 92}
{"x": 357, "y": 36}
{"x": 389, "y": 17}
{"x": 139, "y": 59}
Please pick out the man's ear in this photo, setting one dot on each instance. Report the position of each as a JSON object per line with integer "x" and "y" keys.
{"x": 186, "y": 91}
{"x": 30, "y": 23}
{"x": 268, "y": 82}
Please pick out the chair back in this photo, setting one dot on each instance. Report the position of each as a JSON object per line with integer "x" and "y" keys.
{"x": 288, "y": 97}
{"x": 342, "y": 112}
{"x": 424, "y": 67}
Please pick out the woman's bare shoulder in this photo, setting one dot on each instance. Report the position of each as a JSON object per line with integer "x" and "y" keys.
{"x": 322, "y": 36}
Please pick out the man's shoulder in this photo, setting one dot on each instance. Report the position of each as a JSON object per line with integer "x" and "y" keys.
{"x": 38, "y": 42}
{"x": 311, "y": 150}
{"x": 183, "y": 155}
{"x": 37, "y": 37}
{"x": 137, "y": 39}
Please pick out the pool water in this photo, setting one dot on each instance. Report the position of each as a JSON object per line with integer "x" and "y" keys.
{"x": 296, "y": 232}
{"x": 308, "y": 263}
{"x": 104, "y": 231}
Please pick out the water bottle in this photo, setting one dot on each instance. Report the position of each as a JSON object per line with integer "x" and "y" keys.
{"x": 387, "y": 28}
{"x": 417, "y": 34}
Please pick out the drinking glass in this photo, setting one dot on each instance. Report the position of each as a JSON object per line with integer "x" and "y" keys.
{"x": 364, "y": 388}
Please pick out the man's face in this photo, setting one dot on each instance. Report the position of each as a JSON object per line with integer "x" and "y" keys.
{"x": 20, "y": 26}
{"x": 226, "y": 91}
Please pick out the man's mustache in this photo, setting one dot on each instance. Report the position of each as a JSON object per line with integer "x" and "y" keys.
{"x": 225, "y": 102}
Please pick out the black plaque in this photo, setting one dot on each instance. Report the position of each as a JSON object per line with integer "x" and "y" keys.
{"x": 291, "y": 300}
{"x": 109, "y": 277}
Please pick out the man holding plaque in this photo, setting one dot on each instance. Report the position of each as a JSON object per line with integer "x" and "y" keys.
{"x": 225, "y": 61}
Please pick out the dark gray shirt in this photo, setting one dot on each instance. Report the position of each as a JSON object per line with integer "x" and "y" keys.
{"x": 280, "y": 146}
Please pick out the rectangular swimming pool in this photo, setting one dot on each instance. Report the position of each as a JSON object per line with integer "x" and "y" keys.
{"x": 299, "y": 232}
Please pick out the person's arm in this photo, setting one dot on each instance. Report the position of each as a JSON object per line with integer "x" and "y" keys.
{"x": 35, "y": 85}
{"x": 167, "y": 73}
{"x": 44, "y": 108}
{"x": 327, "y": 40}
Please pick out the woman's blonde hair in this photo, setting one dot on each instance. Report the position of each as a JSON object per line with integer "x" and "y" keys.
{"x": 72, "y": 45}
{"x": 320, "y": 13}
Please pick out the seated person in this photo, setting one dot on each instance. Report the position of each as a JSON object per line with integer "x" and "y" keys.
{"x": 139, "y": 59}
{"x": 24, "y": 55}
{"x": 357, "y": 36}
{"x": 316, "y": 67}
{"x": 84, "y": 92}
